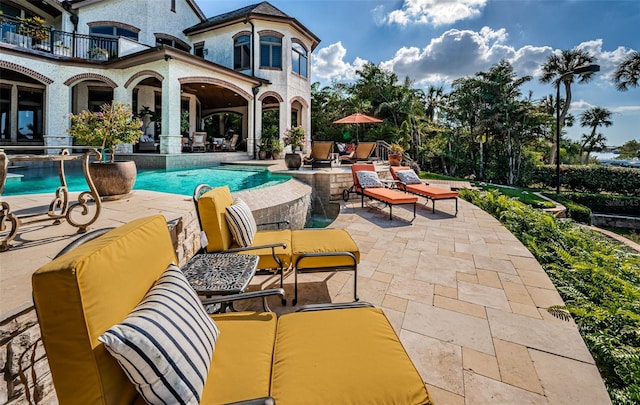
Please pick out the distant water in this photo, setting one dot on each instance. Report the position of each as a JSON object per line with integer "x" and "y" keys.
{"x": 604, "y": 155}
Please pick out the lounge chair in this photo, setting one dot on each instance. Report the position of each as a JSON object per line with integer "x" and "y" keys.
{"x": 305, "y": 250}
{"x": 232, "y": 143}
{"x": 320, "y": 155}
{"x": 411, "y": 183}
{"x": 199, "y": 141}
{"x": 363, "y": 153}
{"x": 368, "y": 184}
{"x": 322, "y": 355}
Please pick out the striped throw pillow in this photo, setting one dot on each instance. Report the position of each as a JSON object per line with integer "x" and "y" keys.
{"x": 241, "y": 222}
{"x": 165, "y": 345}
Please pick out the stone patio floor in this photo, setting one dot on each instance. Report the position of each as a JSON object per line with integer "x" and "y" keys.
{"x": 465, "y": 296}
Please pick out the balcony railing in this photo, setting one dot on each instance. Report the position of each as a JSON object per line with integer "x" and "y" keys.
{"x": 60, "y": 43}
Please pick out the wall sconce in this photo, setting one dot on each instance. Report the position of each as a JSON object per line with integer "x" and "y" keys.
{"x": 167, "y": 57}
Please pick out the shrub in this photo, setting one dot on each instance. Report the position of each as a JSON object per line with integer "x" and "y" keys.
{"x": 607, "y": 203}
{"x": 598, "y": 279}
{"x": 589, "y": 179}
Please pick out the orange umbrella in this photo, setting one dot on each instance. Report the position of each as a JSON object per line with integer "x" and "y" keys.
{"x": 358, "y": 118}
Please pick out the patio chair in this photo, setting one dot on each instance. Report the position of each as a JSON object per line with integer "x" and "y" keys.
{"x": 305, "y": 250}
{"x": 232, "y": 143}
{"x": 408, "y": 180}
{"x": 363, "y": 152}
{"x": 320, "y": 155}
{"x": 366, "y": 183}
{"x": 199, "y": 141}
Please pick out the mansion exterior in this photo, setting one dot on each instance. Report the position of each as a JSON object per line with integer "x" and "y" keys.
{"x": 231, "y": 73}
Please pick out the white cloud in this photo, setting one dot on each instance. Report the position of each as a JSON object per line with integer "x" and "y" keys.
{"x": 435, "y": 12}
{"x": 329, "y": 63}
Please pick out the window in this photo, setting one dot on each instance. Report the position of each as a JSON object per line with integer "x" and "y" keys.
{"x": 5, "y": 113}
{"x": 30, "y": 114}
{"x": 299, "y": 59}
{"x": 172, "y": 42}
{"x": 198, "y": 50}
{"x": 270, "y": 52}
{"x": 173, "y": 5}
{"x": 242, "y": 52}
{"x": 113, "y": 31}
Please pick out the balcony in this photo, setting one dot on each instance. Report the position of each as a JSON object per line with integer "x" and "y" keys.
{"x": 23, "y": 34}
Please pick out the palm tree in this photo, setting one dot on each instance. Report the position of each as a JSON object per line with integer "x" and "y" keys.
{"x": 594, "y": 118}
{"x": 590, "y": 143}
{"x": 628, "y": 73}
{"x": 556, "y": 68}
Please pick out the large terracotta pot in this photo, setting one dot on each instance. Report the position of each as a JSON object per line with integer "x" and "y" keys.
{"x": 293, "y": 161}
{"x": 395, "y": 160}
{"x": 113, "y": 180}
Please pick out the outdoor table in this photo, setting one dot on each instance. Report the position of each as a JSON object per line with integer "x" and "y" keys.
{"x": 220, "y": 273}
{"x": 78, "y": 214}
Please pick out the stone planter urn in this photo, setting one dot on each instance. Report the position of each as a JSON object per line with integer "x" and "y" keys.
{"x": 293, "y": 160}
{"x": 113, "y": 180}
{"x": 395, "y": 160}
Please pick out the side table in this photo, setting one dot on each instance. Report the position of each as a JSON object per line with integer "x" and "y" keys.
{"x": 220, "y": 273}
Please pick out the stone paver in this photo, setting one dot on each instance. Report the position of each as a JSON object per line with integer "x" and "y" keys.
{"x": 462, "y": 293}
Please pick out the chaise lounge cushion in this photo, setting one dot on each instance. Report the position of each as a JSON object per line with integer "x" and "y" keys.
{"x": 336, "y": 371}
{"x": 101, "y": 282}
{"x": 241, "y": 367}
{"x": 390, "y": 196}
{"x": 306, "y": 241}
{"x": 166, "y": 343}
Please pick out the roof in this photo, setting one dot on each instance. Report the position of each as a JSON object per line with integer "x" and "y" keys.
{"x": 263, "y": 10}
{"x": 81, "y": 3}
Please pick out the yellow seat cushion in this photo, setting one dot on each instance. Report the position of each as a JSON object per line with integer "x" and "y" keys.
{"x": 211, "y": 209}
{"x": 241, "y": 366}
{"x": 323, "y": 241}
{"x": 346, "y": 356}
{"x": 268, "y": 237}
{"x": 81, "y": 294}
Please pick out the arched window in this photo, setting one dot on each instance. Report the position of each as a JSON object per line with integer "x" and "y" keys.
{"x": 113, "y": 31}
{"x": 242, "y": 52}
{"x": 299, "y": 59}
{"x": 270, "y": 52}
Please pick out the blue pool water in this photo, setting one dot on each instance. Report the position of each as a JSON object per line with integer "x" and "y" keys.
{"x": 180, "y": 181}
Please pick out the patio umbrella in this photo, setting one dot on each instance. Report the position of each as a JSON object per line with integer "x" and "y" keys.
{"x": 358, "y": 118}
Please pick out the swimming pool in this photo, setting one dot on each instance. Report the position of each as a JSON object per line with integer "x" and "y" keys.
{"x": 179, "y": 181}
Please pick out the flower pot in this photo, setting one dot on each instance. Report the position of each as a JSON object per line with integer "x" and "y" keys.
{"x": 293, "y": 161}
{"x": 113, "y": 180}
{"x": 395, "y": 160}
{"x": 275, "y": 155}
{"x": 262, "y": 154}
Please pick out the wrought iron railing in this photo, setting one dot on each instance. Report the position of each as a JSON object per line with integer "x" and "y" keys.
{"x": 60, "y": 43}
{"x": 382, "y": 152}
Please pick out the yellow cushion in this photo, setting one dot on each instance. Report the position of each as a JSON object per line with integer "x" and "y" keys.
{"x": 269, "y": 237}
{"x": 346, "y": 356}
{"x": 241, "y": 367}
{"x": 86, "y": 291}
{"x": 211, "y": 208}
{"x": 322, "y": 241}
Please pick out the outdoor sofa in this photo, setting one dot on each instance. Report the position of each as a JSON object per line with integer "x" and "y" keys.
{"x": 346, "y": 356}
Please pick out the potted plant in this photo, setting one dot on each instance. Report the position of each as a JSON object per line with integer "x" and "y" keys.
{"x": 115, "y": 123}
{"x": 395, "y": 154}
{"x": 294, "y": 137}
{"x": 97, "y": 53}
{"x": 275, "y": 147}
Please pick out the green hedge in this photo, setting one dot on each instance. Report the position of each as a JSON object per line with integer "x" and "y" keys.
{"x": 598, "y": 279}
{"x": 589, "y": 179}
{"x": 607, "y": 203}
{"x": 575, "y": 211}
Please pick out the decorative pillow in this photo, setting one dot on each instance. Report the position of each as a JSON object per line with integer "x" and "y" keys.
{"x": 241, "y": 222}
{"x": 165, "y": 345}
{"x": 408, "y": 177}
{"x": 368, "y": 179}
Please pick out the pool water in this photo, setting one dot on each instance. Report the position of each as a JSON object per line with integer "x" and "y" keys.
{"x": 179, "y": 181}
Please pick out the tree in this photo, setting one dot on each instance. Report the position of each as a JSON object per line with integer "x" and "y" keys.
{"x": 590, "y": 143}
{"x": 555, "y": 69}
{"x": 630, "y": 150}
{"x": 628, "y": 73}
{"x": 594, "y": 118}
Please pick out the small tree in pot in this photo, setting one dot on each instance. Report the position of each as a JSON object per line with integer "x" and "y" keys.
{"x": 115, "y": 123}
